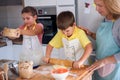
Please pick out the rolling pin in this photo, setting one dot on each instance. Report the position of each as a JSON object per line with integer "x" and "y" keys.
{"x": 63, "y": 62}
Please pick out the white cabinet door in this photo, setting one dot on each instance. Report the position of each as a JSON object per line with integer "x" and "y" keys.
{"x": 65, "y": 2}
{"x": 39, "y": 2}
{"x": 66, "y": 5}
{"x": 66, "y": 8}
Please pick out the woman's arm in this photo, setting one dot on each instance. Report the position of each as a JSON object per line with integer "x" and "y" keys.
{"x": 100, "y": 63}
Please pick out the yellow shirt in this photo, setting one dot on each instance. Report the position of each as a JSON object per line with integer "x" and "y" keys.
{"x": 56, "y": 42}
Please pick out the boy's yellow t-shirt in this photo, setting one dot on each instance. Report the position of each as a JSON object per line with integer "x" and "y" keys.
{"x": 56, "y": 42}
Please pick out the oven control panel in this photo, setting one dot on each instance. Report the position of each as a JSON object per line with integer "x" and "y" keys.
{"x": 46, "y": 10}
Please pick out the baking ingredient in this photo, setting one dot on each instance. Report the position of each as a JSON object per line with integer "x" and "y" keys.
{"x": 60, "y": 70}
{"x": 25, "y": 69}
{"x": 59, "y": 66}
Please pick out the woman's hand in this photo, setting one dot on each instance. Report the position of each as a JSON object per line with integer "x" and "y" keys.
{"x": 96, "y": 65}
{"x": 100, "y": 63}
{"x": 86, "y": 30}
{"x": 90, "y": 70}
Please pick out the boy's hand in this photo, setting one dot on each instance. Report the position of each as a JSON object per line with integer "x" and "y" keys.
{"x": 46, "y": 59}
{"x": 77, "y": 64}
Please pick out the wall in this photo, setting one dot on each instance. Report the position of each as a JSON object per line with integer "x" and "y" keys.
{"x": 11, "y": 16}
{"x": 14, "y": 16}
{"x": 3, "y": 16}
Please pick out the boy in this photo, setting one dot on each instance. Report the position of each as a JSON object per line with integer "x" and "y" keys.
{"x": 76, "y": 45}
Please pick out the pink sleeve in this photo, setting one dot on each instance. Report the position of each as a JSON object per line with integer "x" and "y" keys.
{"x": 41, "y": 25}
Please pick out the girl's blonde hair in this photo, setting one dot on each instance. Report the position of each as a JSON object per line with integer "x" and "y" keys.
{"x": 113, "y": 7}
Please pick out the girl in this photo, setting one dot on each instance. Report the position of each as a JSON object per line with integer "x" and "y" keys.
{"x": 30, "y": 27}
{"x": 32, "y": 36}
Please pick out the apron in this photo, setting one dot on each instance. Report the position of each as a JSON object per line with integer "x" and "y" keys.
{"x": 73, "y": 49}
{"x": 31, "y": 49}
{"x": 106, "y": 46}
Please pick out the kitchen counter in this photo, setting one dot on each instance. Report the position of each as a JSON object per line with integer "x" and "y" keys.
{"x": 43, "y": 73}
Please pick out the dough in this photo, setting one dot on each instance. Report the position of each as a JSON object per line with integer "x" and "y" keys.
{"x": 10, "y": 32}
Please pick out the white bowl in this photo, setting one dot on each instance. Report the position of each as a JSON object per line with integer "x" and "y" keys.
{"x": 60, "y": 73}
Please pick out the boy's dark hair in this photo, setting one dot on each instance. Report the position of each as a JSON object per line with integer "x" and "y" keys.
{"x": 29, "y": 9}
{"x": 65, "y": 19}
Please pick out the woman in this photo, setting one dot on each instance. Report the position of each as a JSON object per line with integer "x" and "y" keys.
{"x": 107, "y": 41}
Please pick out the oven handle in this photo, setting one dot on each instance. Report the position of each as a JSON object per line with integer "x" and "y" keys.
{"x": 44, "y": 17}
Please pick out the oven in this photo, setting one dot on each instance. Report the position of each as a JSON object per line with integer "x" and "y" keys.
{"x": 47, "y": 16}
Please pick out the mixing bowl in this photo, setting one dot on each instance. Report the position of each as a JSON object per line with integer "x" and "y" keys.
{"x": 60, "y": 73}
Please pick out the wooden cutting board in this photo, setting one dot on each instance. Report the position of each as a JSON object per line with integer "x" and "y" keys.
{"x": 37, "y": 75}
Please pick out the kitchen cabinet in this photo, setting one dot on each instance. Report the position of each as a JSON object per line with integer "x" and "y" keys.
{"x": 39, "y": 3}
{"x": 65, "y": 8}
{"x": 66, "y": 5}
{"x": 65, "y": 2}
{"x": 61, "y": 5}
